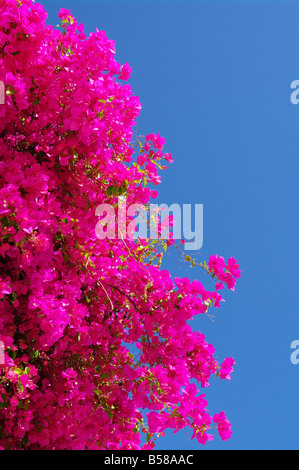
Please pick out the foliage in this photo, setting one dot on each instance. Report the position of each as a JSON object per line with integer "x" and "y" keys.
{"x": 72, "y": 305}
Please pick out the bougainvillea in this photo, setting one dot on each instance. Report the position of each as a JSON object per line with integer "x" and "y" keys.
{"x": 72, "y": 305}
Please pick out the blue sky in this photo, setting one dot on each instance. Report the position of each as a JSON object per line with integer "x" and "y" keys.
{"x": 214, "y": 80}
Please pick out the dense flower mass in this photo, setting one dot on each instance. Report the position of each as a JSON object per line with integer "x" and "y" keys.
{"x": 73, "y": 306}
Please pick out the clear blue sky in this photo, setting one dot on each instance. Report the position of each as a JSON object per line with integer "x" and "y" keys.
{"x": 214, "y": 80}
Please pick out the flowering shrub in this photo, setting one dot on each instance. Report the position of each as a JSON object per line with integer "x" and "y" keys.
{"x": 72, "y": 305}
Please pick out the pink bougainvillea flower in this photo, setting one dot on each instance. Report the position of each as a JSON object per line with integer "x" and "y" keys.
{"x": 125, "y": 72}
{"x": 4, "y": 288}
{"x": 224, "y": 426}
{"x": 74, "y": 305}
{"x": 226, "y": 368}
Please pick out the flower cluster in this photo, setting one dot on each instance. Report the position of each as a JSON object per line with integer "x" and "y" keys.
{"x": 225, "y": 272}
{"x": 72, "y": 306}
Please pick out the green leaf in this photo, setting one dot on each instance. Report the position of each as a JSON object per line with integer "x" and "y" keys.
{"x": 10, "y": 90}
{"x": 66, "y": 258}
{"x": 109, "y": 191}
{"x": 115, "y": 191}
{"x": 35, "y": 355}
